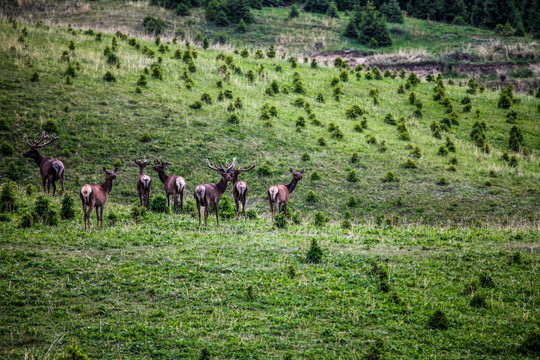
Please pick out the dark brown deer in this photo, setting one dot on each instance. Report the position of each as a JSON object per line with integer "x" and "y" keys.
{"x": 96, "y": 196}
{"x": 279, "y": 194}
{"x": 240, "y": 190}
{"x": 210, "y": 194}
{"x": 144, "y": 184}
{"x": 50, "y": 169}
{"x": 173, "y": 185}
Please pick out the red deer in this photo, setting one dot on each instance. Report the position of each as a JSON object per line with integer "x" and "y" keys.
{"x": 279, "y": 194}
{"x": 96, "y": 196}
{"x": 240, "y": 190}
{"x": 144, "y": 184}
{"x": 50, "y": 169}
{"x": 173, "y": 185}
{"x": 209, "y": 194}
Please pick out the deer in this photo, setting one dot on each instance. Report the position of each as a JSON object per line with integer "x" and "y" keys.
{"x": 279, "y": 194}
{"x": 144, "y": 184}
{"x": 210, "y": 194}
{"x": 96, "y": 196}
{"x": 173, "y": 185}
{"x": 240, "y": 190}
{"x": 49, "y": 168}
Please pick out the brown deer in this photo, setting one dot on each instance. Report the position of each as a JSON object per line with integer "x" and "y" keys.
{"x": 96, "y": 196}
{"x": 209, "y": 194}
{"x": 173, "y": 185}
{"x": 50, "y": 169}
{"x": 144, "y": 184}
{"x": 240, "y": 190}
{"x": 279, "y": 194}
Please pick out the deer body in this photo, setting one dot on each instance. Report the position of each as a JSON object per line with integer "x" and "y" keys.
{"x": 240, "y": 190}
{"x": 95, "y": 196}
{"x": 210, "y": 194}
{"x": 144, "y": 184}
{"x": 279, "y": 194}
{"x": 50, "y": 169}
{"x": 173, "y": 185}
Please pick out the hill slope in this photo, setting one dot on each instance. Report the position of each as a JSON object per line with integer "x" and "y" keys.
{"x": 103, "y": 122}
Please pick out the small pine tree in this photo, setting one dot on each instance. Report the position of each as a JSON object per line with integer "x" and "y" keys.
{"x": 242, "y": 27}
{"x": 332, "y": 10}
{"x": 294, "y": 12}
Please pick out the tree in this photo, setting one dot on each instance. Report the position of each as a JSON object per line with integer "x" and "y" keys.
{"x": 372, "y": 28}
{"x": 237, "y": 10}
{"x": 317, "y": 6}
{"x": 497, "y": 12}
{"x": 153, "y": 25}
{"x": 294, "y": 12}
{"x": 332, "y": 10}
{"x": 393, "y": 12}
{"x": 211, "y": 10}
{"x": 451, "y": 9}
{"x": 242, "y": 27}
{"x": 221, "y": 18}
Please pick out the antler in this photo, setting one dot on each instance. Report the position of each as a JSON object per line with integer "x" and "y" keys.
{"x": 244, "y": 170}
{"x": 44, "y": 137}
{"x": 218, "y": 169}
{"x": 36, "y": 143}
{"x": 232, "y": 165}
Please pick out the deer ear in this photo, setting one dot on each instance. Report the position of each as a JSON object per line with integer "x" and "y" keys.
{"x": 115, "y": 170}
{"x": 301, "y": 172}
{"x": 290, "y": 169}
{"x": 104, "y": 169}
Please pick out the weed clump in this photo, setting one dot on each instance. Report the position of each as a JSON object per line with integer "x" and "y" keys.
{"x": 531, "y": 342}
{"x": 311, "y": 197}
{"x": 72, "y": 352}
{"x": 478, "y": 301}
{"x": 486, "y": 281}
{"x": 314, "y": 254}
{"x": 280, "y": 221}
{"x": 319, "y": 219}
{"x": 109, "y": 77}
{"x": 159, "y": 204}
{"x": 410, "y": 164}
{"x": 438, "y": 320}
{"x": 67, "y": 211}
{"x": 8, "y": 197}
{"x": 389, "y": 177}
{"x": 251, "y": 214}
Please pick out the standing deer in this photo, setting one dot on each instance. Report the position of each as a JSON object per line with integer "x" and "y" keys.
{"x": 96, "y": 196}
{"x": 144, "y": 184}
{"x": 50, "y": 169}
{"x": 240, "y": 190}
{"x": 173, "y": 185}
{"x": 279, "y": 194}
{"x": 209, "y": 194}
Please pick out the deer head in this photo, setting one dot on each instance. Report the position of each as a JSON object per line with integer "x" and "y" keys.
{"x": 160, "y": 166}
{"x": 142, "y": 165}
{"x": 297, "y": 176}
{"x": 222, "y": 169}
{"x": 236, "y": 172}
{"x": 35, "y": 145}
{"x": 110, "y": 174}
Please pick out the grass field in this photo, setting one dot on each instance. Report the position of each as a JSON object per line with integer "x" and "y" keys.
{"x": 464, "y": 242}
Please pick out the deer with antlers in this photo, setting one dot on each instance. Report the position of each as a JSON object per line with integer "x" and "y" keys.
{"x": 279, "y": 194}
{"x": 240, "y": 190}
{"x": 95, "y": 196}
{"x": 144, "y": 184}
{"x": 50, "y": 169}
{"x": 173, "y": 185}
{"x": 210, "y": 194}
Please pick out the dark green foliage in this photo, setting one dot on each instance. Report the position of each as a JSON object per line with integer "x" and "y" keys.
{"x": 511, "y": 117}
{"x": 109, "y": 77}
{"x": 413, "y": 79}
{"x": 314, "y": 254}
{"x": 416, "y": 152}
{"x": 50, "y": 218}
{"x": 137, "y": 212}
{"x": 442, "y": 181}
{"x": 306, "y": 157}
{"x": 30, "y": 189}
{"x": 371, "y": 139}
{"x": 438, "y": 320}
{"x": 392, "y": 12}
{"x": 352, "y": 176}
{"x": 353, "y": 201}
{"x": 515, "y": 142}
{"x": 314, "y": 64}
{"x": 41, "y": 206}
{"x": 34, "y": 77}
{"x": 410, "y": 164}
{"x": 354, "y": 158}
{"x": 206, "y": 98}
{"x": 332, "y": 10}
{"x": 50, "y": 126}
{"x": 389, "y": 119}
{"x": 412, "y": 98}
{"x": 315, "y": 176}
{"x": 401, "y": 89}
{"x": 300, "y": 122}
{"x": 6, "y": 149}
{"x": 72, "y": 352}
{"x": 294, "y": 12}
{"x": 271, "y": 53}
{"x": 145, "y": 137}
{"x": 159, "y": 204}
{"x": 157, "y": 73}
{"x": 389, "y": 177}
{"x": 403, "y": 131}
{"x": 450, "y": 145}
{"x": 531, "y": 342}
{"x": 506, "y": 97}
{"x": 280, "y": 221}
{"x": 8, "y": 198}
{"x": 486, "y": 281}
{"x": 27, "y": 220}
{"x": 67, "y": 211}
{"x": 196, "y": 105}
{"x": 251, "y": 214}
{"x": 319, "y": 219}
{"x": 311, "y": 197}
{"x": 513, "y": 161}
{"x": 233, "y": 119}
{"x": 226, "y": 208}
{"x": 142, "y": 80}
{"x": 354, "y": 111}
{"x": 153, "y": 25}
{"x": 369, "y": 27}
{"x": 478, "y": 301}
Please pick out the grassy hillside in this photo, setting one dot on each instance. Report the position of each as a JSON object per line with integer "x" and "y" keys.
{"x": 155, "y": 286}
{"x": 102, "y": 123}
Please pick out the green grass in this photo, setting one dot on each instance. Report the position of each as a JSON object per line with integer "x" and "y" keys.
{"x": 158, "y": 288}
{"x": 161, "y": 288}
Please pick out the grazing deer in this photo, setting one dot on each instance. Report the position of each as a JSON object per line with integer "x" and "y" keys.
{"x": 96, "y": 196}
{"x": 279, "y": 194}
{"x": 144, "y": 184}
{"x": 50, "y": 169}
{"x": 173, "y": 185}
{"x": 209, "y": 194}
{"x": 240, "y": 190}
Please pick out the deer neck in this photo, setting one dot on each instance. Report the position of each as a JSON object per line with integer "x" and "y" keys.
{"x": 107, "y": 186}
{"x": 222, "y": 185}
{"x": 292, "y": 185}
{"x": 141, "y": 172}
{"x": 38, "y": 158}
{"x": 162, "y": 176}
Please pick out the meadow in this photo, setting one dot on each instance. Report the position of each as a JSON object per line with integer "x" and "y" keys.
{"x": 457, "y": 232}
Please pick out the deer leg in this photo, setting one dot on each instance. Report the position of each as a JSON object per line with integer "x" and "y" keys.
{"x": 141, "y": 198}
{"x": 182, "y": 200}
{"x": 244, "y": 206}
{"x": 84, "y": 212}
{"x": 236, "y": 202}
{"x": 175, "y": 197}
{"x": 62, "y": 183}
{"x": 168, "y": 201}
{"x": 199, "y": 211}
{"x": 90, "y": 208}
{"x": 217, "y": 213}
{"x": 285, "y": 209}
{"x": 48, "y": 187}
{"x": 206, "y": 214}
{"x": 276, "y": 207}
{"x": 53, "y": 187}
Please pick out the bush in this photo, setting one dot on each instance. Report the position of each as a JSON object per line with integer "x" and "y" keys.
{"x": 319, "y": 219}
{"x": 438, "y": 320}
{"x": 196, "y": 105}
{"x": 486, "y": 281}
{"x": 311, "y": 197}
{"x": 67, "y": 211}
{"x": 7, "y": 149}
{"x": 72, "y": 352}
{"x": 321, "y": 141}
{"x": 531, "y": 342}
{"x": 442, "y": 182}
{"x": 27, "y": 220}
{"x": 352, "y": 176}
{"x": 159, "y": 204}
{"x": 41, "y": 206}
{"x": 109, "y": 77}
{"x": 513, "y": 161}
{"x": 280, "y": 221}
{"x": 233, "y": 119}
{"x": 251, "y": 214}
{"x": 515, "y": 143}
{"x": 354, "y": 111}
{"x": 226, "y": 208}
{"x": 8, "y": 199}
{"x": 306, "y": 157}
{"x": 410, "y": 164}
{"x": 315, "y": 176}
{"x": 30, "y": 189}
{"x": 153, "y": 25}
{"x": 145, "y": 137}
{"x": 390, "y": 177}
{"x": 50, "y": 126}
{"x": 50, "y": 218}
{"x": 314, "y": 254}
{"x": 353, "y": 201}
{"x": 264, "y": 170}
{"x": 478, "y": 301}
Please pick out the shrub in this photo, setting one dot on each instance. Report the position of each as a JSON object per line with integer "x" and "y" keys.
{"x": 352, "y": 176}
{"x": 346, "y": 224}
{"x": 438, "y": 320}
{"x": 412, "y": 98}
{"x": 153, "y": 25}
{"x": 478, "y": 301}
{"x": 206, "y": 98}
{"x": 321, "y": 141}
{"x": 41, "y": 206}
{"x": 513, "y": 161}
{"x": 486, "y": 281}
{"x": 7, "y": 149}
{"x": 157, "y": 73}
{"x": 515, "y": 142}
{"x": 390, "y": 177}
{"x": 226, "y": 208}
{"x": 442, "y": 182}
{"x": 372, "y": 139}
{"x": 311, "y": 197}
{"x": 142, "y": 80}
{"x": 531, "y": 342}
{"x": 251, "y": 214}
{"x": 416, "y": 152}
{"x": 389, "y": 119}
{"x": 159, "y": 204}
{"x": 319, "y": 219}
{"x": 410, "y": 164}
{"x": 280, "y": 221}
{"x": 145, "y": 137}
{"x": 67, "y": 211}
{"x": 306, "y": 157}
{"x": 314, "y": 254}
{"x": 354, "y": 111}
{"x": 196, "y": 105}
{"x": 30, "y": 189}
{"x": 264, "y": 170}
{"x": 353, "y": 201}
{"x": 50, "y": 218}
{"x": 315, "y": 176}
{"x": 233, "y": 119}
{"x": 109, "y": 77}
{"x": 8, "y": 199}
{"x": 443, "y": 151}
